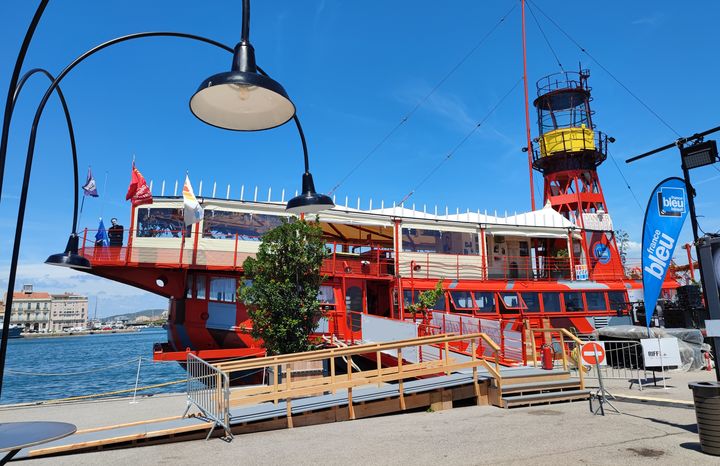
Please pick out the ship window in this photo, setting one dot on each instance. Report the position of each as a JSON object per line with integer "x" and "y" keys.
{"x": 573, "y": 301}
{"x": 221, "y": 224}
{"x": 200, "y": 286}
{"x": 189, "y": 286}
{"x": 156, "y": 222}
{"x": 595, "y": 301}
{"x": 410, "y": 297}
{"x": 551, "y": 302}
{"x": 618, "y": 300}
{"x": 353, "y": 299}
{"x": 436, "y": 241}
{"x": 326, "y": 295}
{"x": 461, "y": 301}
{"x": 223, "y": 289}
{"x": 485, "y": 301}
{"x": 532, "y": 301}
{"x": 510, "y": 300}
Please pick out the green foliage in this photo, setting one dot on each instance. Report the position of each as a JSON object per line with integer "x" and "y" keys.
{"x": 282, "y": 299}
{"x": 562, "y": 253}
{"x": 427, "y": 299}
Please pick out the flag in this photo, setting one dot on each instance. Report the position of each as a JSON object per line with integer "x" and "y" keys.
{"x": 101, "y": 237}
{"x": 138, "y": 191}
{"x": 192, "y": 210}
{"x": 664, "y": 218}
{"x": 90, "y": 188}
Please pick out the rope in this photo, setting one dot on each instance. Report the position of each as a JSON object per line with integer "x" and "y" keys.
{"x": 421, "y": 102}
{"x": 61, "y": 374}
{"x": 467, "y": 136}
{"x": 116, "y": 392}
{"x": 547, "y": 41}
{"x": 582, "y": 49}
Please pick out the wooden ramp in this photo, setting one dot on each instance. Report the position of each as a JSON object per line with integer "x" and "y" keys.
{"x": 292, "y": 402}
{"x": 437, "y": 393}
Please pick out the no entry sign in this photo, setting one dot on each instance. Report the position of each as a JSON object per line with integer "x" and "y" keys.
{"x": 593, "y": 353}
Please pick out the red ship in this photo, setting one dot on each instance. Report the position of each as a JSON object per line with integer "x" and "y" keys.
{"x": 558, "y": 266}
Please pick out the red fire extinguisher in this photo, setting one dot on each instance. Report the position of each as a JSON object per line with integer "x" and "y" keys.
{"x": 547, "y": 357}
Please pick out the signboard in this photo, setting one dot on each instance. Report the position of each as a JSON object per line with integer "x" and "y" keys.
{"x": 593, "y": 353}
{"x": 581, "y": 272}
{"x": 661, "y": 352}
{"x": 664, "y": 217}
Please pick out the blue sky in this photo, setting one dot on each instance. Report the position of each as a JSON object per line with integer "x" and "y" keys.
{"x": 354, "y": 70}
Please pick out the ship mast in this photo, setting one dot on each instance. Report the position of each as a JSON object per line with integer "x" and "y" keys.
{"x": 527, "y": 110}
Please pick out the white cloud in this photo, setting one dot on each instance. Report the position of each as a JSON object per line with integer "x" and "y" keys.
{"x": 114, "y": 297}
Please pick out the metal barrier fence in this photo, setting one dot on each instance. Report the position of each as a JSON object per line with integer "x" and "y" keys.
{"x": 624, "y": 361}
{"x": 208, "y": 388}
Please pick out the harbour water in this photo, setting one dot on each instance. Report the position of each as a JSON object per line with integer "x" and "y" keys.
{"x": 42, "y": 369}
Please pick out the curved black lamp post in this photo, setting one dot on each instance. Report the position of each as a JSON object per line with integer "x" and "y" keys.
{"x": 242, "y": 79}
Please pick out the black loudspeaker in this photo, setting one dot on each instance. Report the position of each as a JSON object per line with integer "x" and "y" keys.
{"x": 689, "y": 296}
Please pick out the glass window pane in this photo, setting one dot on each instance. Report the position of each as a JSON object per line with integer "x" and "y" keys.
{"x": 443, "y": 242}
{"x": 189, "y": 286}
{"x": 440, "y": 303}
{"x": 221, "y": 224}
{"x": 618, "y": 300}
{"x": 573, "y": 301}
{"x": 462, "y": 299}
{"x": 326, "y": 295}
{"x": 595, "y": 301}
{"x": 485, "y": 301}
{"x": 353, "y": 299}
{"x": 156, "y": 222}
{"x": 410, "y": 297}
{"x": 532, "y": 301}
{"x": 551, "y": 302}
{"x": 223, "y": 289}
{"x": 510, "y": 300}
{"x": 200, "y": 286}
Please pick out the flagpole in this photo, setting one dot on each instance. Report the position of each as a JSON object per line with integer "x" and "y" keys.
{"x": 102, "y": 204}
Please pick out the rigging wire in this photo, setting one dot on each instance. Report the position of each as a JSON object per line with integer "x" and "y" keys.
{"x": 547, "y": 41}
{"x": 627, "y": 184}
{"x": 582, "y": 49}
{"x": 464, "y": 139}
{"x": 422, "y": 101}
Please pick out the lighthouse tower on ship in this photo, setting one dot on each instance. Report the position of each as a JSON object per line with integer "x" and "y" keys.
{"x": 567, "y": 152}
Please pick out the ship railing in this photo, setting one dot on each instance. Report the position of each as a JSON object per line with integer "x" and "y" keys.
{"x": 340, "y": 372}
{"x": 472, "y": 267}
{"x": 511, "y": 343}
{"x": 570, "y": 140}
{"x": 208, "y": 389}
{"x": 565, "y": 348}
{"x": 358, "y": 259}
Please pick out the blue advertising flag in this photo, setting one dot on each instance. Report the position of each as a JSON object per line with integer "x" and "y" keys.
{"x": 101, "y": 237}
{"x": 664, "y": 219}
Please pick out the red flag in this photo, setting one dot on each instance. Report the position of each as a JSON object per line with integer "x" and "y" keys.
{"x": 138, "y": 191}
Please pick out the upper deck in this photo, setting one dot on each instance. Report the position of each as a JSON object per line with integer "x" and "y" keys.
{"x": 384, "y": 243}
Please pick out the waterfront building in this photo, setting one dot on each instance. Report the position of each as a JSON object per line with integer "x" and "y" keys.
{"x": 39, "y": 311}
{"x": 69, "y": 311}
{"x": 31, "y": 309}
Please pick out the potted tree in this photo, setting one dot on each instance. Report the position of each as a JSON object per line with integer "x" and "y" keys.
{"x": 561, "y": 264}
{"x": 281, "y": 288}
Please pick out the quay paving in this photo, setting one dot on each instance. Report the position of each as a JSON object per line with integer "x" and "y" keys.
{"x": 645, "y": 432}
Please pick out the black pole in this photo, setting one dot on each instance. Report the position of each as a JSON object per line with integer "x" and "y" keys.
{"x": 13, "y": 263}
{"x": 245, "y": 35}
{"x": 693, "y": 220}
{"x": 10, "y": 101}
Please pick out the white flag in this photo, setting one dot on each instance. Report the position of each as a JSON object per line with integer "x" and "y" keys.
{"x": 192, "y": 210}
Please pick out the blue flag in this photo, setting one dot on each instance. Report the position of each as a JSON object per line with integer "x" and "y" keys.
{"x": 664, "y": 219}
{"x": 101, "y": 237}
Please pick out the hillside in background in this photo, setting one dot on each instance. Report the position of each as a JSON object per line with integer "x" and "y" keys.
{"x": 155, "y": 314}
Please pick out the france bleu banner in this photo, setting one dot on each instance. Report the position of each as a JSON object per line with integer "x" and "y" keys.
{"x": 664, "y": 219}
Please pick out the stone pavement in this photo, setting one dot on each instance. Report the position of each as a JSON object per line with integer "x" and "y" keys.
{"x": 646, "y": 432}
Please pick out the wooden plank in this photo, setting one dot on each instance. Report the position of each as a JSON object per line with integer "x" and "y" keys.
{"x": 129, "y": 424}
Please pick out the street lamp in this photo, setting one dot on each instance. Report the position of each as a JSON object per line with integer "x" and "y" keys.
{"x": 266, "y": 106}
